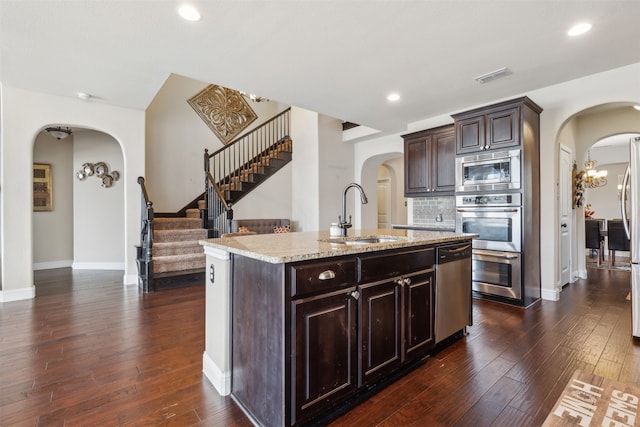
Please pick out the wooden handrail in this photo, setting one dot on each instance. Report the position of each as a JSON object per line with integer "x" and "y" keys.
{"x": 217, "y": 190}
{"x": 145, "y": 195}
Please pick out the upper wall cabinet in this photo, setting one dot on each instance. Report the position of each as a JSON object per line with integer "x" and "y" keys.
{"x": 429, "y": 159}
{"x": 491, "y": 128}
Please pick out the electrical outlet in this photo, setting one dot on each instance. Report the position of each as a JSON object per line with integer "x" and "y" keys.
{"x": 212, "y": 273}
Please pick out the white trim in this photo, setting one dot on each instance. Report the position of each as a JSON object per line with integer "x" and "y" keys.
{"x": 220, "y": 380}
{"x": 582, "y": 274}
{"x": 52, "y": 264}
{"x": 130, "y": 279}
{"x": 18, "y": 294}
{"x": 216, "y": 253}
{"x": 548, "y": 295}
{"x": 98, "y": 266}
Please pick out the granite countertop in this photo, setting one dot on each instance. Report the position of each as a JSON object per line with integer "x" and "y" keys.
{"x": 299, "y": 246}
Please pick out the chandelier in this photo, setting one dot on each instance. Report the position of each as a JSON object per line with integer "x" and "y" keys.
{"x": 58, "y": 132}
{"x": 593, "y": 178}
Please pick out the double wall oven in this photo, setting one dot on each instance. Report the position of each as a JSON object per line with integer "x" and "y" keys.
{"x": 497, "y": 257}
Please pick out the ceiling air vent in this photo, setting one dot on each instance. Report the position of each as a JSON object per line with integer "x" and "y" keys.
{"x": 496, "y": 74}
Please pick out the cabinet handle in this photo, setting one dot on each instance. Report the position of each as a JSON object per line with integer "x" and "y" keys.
{"x": 486, "y": 147}
{"x": 407, "y": 281}
{"x": 355, "y": 295}
{"x": 327, "y": 275}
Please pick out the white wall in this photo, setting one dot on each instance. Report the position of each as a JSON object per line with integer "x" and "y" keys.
{"x": 53, "y": 230}
{"x": 98, "y": 212}
{"x": 560, "y": 103}
{"x": 335, "y": 172}
{"x": 305, "y": 170}
{"x": 24, "y": 115}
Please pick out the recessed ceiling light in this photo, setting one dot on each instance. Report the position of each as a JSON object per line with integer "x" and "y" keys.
{"x": 189, "y": 12}
{"x": 637, "y": 107}
{"x": 84, "y": 96}
{"x": 578, "y": 29}
{"x": 393, "y": 97}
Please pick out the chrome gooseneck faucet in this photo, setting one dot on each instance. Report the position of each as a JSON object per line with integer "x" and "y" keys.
{"x": 342, "y": 220}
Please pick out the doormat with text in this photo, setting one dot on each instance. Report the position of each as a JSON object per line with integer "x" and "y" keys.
{"x": 591, "y": 400}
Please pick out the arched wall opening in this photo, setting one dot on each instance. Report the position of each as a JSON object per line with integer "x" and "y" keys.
{"x": 394, "y": 162}
{"x": 580, "y": 132}
{"x": 84, "y": 226}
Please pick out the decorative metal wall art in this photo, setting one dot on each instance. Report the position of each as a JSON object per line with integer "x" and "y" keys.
{"x": 42, "y": 188}
{"x": 224, "y": 110}
{"x": 101, "y": 171}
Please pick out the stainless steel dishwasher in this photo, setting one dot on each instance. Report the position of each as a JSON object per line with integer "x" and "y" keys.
{"x": 453, "y": 289}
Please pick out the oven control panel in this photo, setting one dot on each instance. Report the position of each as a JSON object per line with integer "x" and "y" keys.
{"x": 512, "y": 199}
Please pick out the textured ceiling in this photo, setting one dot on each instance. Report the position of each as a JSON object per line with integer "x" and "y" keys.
{"x": 340, "y": 58}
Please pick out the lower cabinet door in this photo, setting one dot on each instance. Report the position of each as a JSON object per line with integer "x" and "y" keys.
{"x": 380, "y": 308}
{"x": 419, "y": 333}
{"x": 324, "y": 347}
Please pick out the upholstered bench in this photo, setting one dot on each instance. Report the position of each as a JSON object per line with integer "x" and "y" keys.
{"x": 260, "y": 226}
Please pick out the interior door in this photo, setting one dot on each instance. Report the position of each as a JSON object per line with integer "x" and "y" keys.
{"x": 384, "y": 202}
{"x": 566, "y": 210}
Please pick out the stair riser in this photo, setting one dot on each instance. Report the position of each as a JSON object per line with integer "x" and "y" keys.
{"x": 163, "y": 267}
{"x": 161, "y": 236}
{"x": 176, "y": 223}
{"x": 180, "y": 250}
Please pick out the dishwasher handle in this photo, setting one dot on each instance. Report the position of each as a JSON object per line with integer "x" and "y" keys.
{"x": 453, "y": 253}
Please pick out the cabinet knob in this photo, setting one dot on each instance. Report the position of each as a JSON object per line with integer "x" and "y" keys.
{"x": 486, "y": 147}
{"x": 407, "y": 281}
{"x": 355, "y": 295}
{"x": 327, "y": 275}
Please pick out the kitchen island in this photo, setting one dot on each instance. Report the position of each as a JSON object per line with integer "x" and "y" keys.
{"x": 300, "y": 324}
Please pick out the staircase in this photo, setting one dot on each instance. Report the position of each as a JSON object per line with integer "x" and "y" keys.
{"x": 237, "y": 168}
{"x": 175, "y": 243}
{"x": 169, "y": 254}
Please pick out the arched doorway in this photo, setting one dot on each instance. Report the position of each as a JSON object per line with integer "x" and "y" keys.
{"x": 84, "y": 228}
{"x": 393, "y": 165}
{"x": 580, "y": 132}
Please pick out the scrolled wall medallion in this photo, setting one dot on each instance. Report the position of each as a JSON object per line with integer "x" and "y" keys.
{"x": 224, "y": 110}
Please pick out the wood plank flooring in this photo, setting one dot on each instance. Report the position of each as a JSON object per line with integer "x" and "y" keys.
{"x": 89, "y": 351}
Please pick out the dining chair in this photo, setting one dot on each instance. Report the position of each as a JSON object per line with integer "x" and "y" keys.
{"x": 594, "y": 239}
{"x": 616, "y": 239}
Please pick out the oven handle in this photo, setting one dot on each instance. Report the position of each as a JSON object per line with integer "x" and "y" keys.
{"x": 487, "y": 210}
{"x": 494, "y": 254}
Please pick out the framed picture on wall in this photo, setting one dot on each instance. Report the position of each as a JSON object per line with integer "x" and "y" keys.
{"x": 42, "y": 189}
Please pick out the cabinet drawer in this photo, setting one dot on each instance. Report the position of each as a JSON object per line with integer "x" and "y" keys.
{"x": 386, "y": 265}
{"x": 321, "y": 276}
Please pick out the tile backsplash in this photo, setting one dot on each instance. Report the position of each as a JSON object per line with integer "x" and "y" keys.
{"x": 429, "y": 210}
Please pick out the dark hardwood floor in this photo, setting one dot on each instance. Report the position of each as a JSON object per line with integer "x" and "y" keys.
{"x": 89, "y": 351}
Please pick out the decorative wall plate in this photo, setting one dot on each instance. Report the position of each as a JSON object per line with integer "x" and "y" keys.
{"x": 101, "y": 169}
{"x": 107, "y": 181}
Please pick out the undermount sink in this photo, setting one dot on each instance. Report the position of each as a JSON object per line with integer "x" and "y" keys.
{"x": 363, "y": 240}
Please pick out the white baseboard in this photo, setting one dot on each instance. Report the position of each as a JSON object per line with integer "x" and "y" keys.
{"x": 17, "y": 294}
{"x": 130, "y": 279}
{"x": 550, "y": 295}
{"x": 98, "y": 266}
{"x": 52, "y": 264}
{"x": 220, "y": 380}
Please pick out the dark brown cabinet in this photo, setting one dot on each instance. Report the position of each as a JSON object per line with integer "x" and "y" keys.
{"x": 324, "y": 354}
{"x": 310, "y": 336}
{"x": 396, "y": 313}
{"x": 491, "y": 128}
{"x": 380, "y": 330}
{"x": 419, "y": 336}
{"x": 429, "y": 158}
